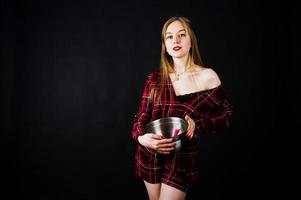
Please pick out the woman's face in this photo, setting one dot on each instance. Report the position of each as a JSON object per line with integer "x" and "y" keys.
{"x": 177, "y": 40}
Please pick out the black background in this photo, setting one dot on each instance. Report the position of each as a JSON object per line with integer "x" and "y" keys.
{"x": 72, "y": 73}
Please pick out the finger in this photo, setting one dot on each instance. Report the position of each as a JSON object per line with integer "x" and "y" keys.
{"x": 157, "y": 137}
{"x": 191, "y": 127}
{"x": 188, "y": 129}
{"x": 157, "y": 146}
{"x": 163, "y": 141}
{"x": 188, "y": 134}
{"x": 189, "y": 121}
{"x": 187, "y": 117}
{"x": 192, "y": 134}
{"x": 166, "y": 145}
{"x": 192, "y": 124}
{"x": 165, "y": 150}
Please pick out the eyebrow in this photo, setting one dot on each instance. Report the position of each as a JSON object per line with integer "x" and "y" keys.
{"x": 177, "y": 32}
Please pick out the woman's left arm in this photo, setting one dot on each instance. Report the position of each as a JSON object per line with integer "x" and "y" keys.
{"x": 222, "y": 111}
{"x": 218, "y": 120}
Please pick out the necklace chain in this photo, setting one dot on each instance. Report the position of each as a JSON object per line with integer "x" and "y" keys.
{"x": 179, "y": 74}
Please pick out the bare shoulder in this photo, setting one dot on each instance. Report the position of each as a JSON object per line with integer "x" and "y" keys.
{"x": 208, "y": 76}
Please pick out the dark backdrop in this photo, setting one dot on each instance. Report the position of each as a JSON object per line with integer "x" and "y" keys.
{"x": 72, "y": 75}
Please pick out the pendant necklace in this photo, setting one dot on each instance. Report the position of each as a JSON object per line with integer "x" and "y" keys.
{"x": 179, "y": 74}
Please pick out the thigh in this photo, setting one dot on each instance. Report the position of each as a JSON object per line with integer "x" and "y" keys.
{"x": 180, "y": 171}
{"x": 148, "y": 165}
{"x": 153, "y": 190}
{"x": 170, "y": 193}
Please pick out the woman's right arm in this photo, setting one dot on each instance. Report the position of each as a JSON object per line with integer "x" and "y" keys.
{"x": 143, "y": 116}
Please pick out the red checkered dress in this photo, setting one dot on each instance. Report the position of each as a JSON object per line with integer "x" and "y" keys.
{"x": 210, "y": 110}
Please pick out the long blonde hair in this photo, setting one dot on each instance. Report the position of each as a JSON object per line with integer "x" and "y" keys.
{"x": 166, "y": 63}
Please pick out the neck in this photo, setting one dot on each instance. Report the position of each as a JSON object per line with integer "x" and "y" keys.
{"x": 181, "y": 64}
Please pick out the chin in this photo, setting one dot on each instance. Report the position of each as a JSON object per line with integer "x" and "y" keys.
{"x": 180, "y": 55}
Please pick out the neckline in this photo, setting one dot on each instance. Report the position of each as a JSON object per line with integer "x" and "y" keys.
{"x": 196, "y": 92}
{"x": 193, "y": 93}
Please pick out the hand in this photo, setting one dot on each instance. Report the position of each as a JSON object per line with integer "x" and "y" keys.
{"x": 191, "y": 127}
{"x": 157, "y": 142}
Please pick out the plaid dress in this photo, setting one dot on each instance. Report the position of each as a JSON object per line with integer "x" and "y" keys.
{"x": 210, "y": 110}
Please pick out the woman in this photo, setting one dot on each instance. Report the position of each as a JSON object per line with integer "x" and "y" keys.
{"x": 182, "y": 88}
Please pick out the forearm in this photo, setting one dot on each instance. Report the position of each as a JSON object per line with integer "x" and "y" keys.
{"x": 219, "y": 120}
{"x": 140, "y": 120}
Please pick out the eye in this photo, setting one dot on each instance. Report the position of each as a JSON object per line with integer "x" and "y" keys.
{"x": 169, "y": 37}
{"x": 182, "y": 34}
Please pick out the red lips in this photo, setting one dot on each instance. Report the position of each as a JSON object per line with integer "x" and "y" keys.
{"x": 177, "y": 48}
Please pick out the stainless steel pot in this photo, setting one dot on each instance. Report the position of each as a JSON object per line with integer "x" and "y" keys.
{"x": 169, "y": 127}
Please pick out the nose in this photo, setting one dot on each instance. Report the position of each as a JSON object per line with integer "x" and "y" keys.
{"x": 176, "y": 39}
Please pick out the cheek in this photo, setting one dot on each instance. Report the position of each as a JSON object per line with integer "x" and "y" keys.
{"x": 187, "y": 44}
{"x": 168, "y": 47}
